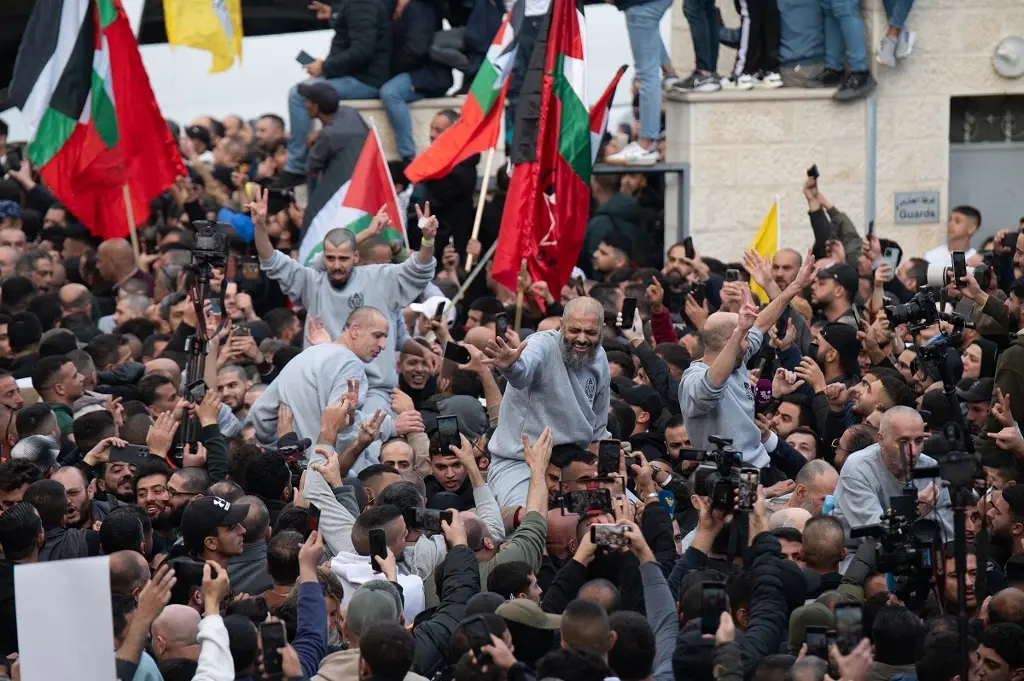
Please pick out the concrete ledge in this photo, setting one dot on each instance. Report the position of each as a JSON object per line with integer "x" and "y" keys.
{"x": 783, "y": 94}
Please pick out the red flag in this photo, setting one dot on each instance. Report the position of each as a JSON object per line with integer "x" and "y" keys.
{"x": 549, "y": 195}
{"x": 601, "y": 112}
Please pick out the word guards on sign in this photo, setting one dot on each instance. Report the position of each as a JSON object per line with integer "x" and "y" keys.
{"x": 916, "y": 207}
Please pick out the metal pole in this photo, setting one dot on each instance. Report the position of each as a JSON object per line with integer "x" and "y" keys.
{"x": 870, "y": 158}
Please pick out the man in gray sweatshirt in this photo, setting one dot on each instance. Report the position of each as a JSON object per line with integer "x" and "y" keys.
{"x": 331, "y": 294}
{"x": 555, "y": 378}
{"x": 319, "y": 376}
{"x": 715, "y": 394}
{"x": 871, "y": 476}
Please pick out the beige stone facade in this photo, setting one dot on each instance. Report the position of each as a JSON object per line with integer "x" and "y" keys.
{"x": 745, "y": 147}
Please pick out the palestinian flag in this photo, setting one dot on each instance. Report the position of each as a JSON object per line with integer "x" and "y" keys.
{"x": 601, "y": 112}
{"x": 479, "y": 122}
{"x": 549, "y": 195}
{"x": 349, "y": 193}
{"x": 87, "y": 103}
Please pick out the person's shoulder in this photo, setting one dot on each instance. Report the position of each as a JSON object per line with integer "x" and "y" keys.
{"x": 696, "y": 368}
{"x": 858, "y": 463}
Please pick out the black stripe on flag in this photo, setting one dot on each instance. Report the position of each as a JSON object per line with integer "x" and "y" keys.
{"x": 38, "y": 43}
{"x": 527, "y": 122}
{"x": 73, "y": 87}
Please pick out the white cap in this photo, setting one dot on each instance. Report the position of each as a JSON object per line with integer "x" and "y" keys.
{"x": 428, "y": 308}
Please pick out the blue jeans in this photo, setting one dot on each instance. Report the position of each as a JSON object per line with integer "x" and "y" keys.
{"x": 395, "y": 95}
{"x": 897, "y": 11}
{"x": 844, "y": 27}
{"x": 703, "y": 20}
{"x": 299, "y": 122}
{"x": 649, "y": 54}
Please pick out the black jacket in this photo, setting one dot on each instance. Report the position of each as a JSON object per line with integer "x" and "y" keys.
{"x": 621, "y": 214}
{"x": 411, "y": 34}
{"x": 361, "y": 46}
{"x": 8, "y": 615}
{"x": 451, "y": 201}
{"x": 458, "y": 580}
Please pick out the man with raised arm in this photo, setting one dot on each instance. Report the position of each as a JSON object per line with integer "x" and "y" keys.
{"x": 332, "y": 293}
{"x": 557, "y": 379}
{"x": 715, "y": 394}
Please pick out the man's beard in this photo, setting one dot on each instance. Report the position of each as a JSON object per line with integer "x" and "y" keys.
{"x": 168, "y": 520}
{"x": 575, "y": 360}
{"x": 337, "y": 284}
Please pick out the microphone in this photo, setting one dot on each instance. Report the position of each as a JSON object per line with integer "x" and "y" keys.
{"x": 763, "y": 395}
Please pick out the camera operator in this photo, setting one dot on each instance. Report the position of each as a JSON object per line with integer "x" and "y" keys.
{"x": 715, "y": 393}
{"x": 871, "y": 476}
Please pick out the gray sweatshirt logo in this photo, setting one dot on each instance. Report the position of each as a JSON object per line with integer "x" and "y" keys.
{"x": 355, "y": 301}
{"x": 590, "y": 388}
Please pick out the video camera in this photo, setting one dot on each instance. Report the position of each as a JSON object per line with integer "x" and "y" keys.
{"x": 923, "y": 311}
{"x": 718, "y": 474}
{"x": 210, "y": 246}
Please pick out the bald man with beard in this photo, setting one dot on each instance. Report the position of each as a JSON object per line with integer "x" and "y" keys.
{"x": 555, "y": 378}
{"x": 174, "y": 633}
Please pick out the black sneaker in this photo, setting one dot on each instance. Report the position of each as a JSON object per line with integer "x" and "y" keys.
{"x": 828, "y": 78}
{"x": 698, "y": 83}
{"x": 288, "y": 180}
{"x": 856, "y": 85}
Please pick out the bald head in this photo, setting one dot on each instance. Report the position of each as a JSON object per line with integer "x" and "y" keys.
{"x": 478, "y": 337}
{"x": 74, "y": 298}
{"x": 1007, "y": 606}
{"x": 115, "y": 260}
{"x": 583, "y": 306}
{"x": 899, "y": 415}
{"x": 257, "y": 520}
{"x": 165, "y": 366}
{"x": 116, "y": 248}
{"x": 174, "y": 632}
{"x": 366, "y": 315}
{"x": 789, "y": 517}
{"x": 717, "y": 330}
{"x": 129, "y": 572}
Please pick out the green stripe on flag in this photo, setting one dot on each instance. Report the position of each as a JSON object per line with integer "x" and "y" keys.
{"x": 107, "y": 12}
{"x": 574, "y": 125}
{"x": 360, "y": 224}
{"x": 483, "y": 89}
{"x": 54, "y": 130}
{"x": 104, "y": 117}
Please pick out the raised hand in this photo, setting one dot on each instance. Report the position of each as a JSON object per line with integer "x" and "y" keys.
{"x": 380, "y": 221}
{"x": 698, "y": 314}
{"x": 758, "y": 267}
{"x": 748, "y": 316}
{"x": 316, "y": 334}
{"x": 335, "y": 418}
{"x": 353, "y": 391}
{"x": 1001, "y": 409}
{"x": 538, "y": 455}
{"x": 161, "y": 434}
{"x": 369, "y": 428}
{"x": 258, "y": 208}
{"x": 655, "y": 295}
{"x": 330, "y": 469}
{"x": 807, "y": 272}
{"x": 501, "y": 355}
{"x": 785, "y": 382}
{"x": 809, "y": 370}
{"x": 427, "y": 222}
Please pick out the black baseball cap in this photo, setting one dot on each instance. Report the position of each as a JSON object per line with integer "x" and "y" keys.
{"x": 203, "y": 516}
{"x": 845, "y": 275}
{"x": 843, "y": 338}
{"x": 975, "y": 390}
{"x": 78, "y": 232}
{"x": 198, "y": 132}
{"x": 293, "y": 440}
{"x": 645, "y": 397}
{"x": 323, "y": 95}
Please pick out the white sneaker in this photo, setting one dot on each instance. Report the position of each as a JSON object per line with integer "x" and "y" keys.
{"x": 633, "y": 155}
{"x": 768, "y": 81}
{"x": 744, "y": 81}
{"x": 905, "y": 45}
{"x": 668, "y": 81}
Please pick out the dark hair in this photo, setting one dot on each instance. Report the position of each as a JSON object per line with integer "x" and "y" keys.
{"x": 388, "y": 650}
{"x": 136, "y": 428}
{"x": 569, "y": 453}
{"x": 283, "y": 556}
{"x": 673, "y": 355}
{"x": 940, "y": 658}
{"x": 20, "y": 528}
{"x": 896, "y": 634}
{"x": 292, "y": 519}
{"x": 571, "y": 665}
{"x": 862, "y": 435}
{"x": 195, "y": 480}
{"x": 139, "y": 327}
{"x": 403, "y": 494}
{"x": 149, "y": 344}
{"x": 773, "y": 668}
{"x": 788, "y": 534}
{"x": 151, "y": 466}
{"x": 104, "y": 350}
{"x": 459, "y": 643}
{"x": 121, "y": 531}
{"x": 15, "y": 473}
{"x": 121, "y": 605}
{"x": 148, "y": 385}
{"x": 279, "y": 319}
{"x": 34, "y": 420}
{"x": 268, "y": 476}
{"x": 632, "y": 656}
{"x": 244, "y": 641}
{"x": 46, "y": 308}
{"x": 585, "y": 627}
{"x": 24, "y": 330}
{"x": 510, "y": 579}
{"x": 178, "y": 669}
{"x": 1007, "y": 640}
{"x": 50, "y": 500}
{"x": 609, "y": 588}
{"x": 898, "y": 391}
{"x": 972, "y": 213}
{"x": 376, "y": 469}
{"x": 372, "y": 518}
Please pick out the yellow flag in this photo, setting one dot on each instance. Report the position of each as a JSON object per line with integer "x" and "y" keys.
{"x": 766, "y": 242}
{"x": 211, "y": 25}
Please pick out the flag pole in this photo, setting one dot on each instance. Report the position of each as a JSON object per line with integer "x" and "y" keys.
{"x": 778, "y": 225}
{"x": 482, "y": 200}
{"x": 520, "y": 294}
{"x": 391, "y": 182}
{"x": 477, "y": 270}
{"x": 130, "y": 213}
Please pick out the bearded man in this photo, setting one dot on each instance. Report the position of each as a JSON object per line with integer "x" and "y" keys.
{"x": 557, "y": 379}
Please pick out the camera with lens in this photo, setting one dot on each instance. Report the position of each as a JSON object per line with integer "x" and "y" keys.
{"x": 210, "y": 246}
{"x": 920, "y": 311}
{"x": 718, "y": 474}
{"x": 940, "y": 276}
{"x": 907, "y": 547}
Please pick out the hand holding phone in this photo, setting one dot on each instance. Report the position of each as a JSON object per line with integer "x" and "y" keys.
{"x": 628, "y": 312}
{"x": 608, "y": 457}
{"x": 312, "y": 517}
{"x": 304, "y": 58}
{"x": 457, "y": 353}
{"x": 378, "y": 547}
{"x": 272, "y": 637}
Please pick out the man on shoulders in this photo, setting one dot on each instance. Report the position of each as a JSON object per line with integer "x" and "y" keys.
{"x": 963, "y": 222}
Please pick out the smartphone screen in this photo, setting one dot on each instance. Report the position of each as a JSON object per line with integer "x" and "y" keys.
{"x": 501, "y": 324}
{"x": 688, "y": 247}
{"x": 732, "y": 274}
{"x": 608, "y": 457}
{"x": 439, "y": 311}
{"x": 425, "y": 519}
{"x": 712, "y": 605}
{"x": 816, "y": 639}
{"x": 303, "y": 58}
{"x": 871, "y": 228}
{"x": 587, "y": 501}
{"x": 699, "y": 291}
{"x": 628, "y": 312}
{"x": 812, "y": 351}
{"x": 750, "y": 478}
{"x": 959, "y": 268}
{"x": 312, "y": 518}
{"x": 813, "y": 171}
{"x": 609, "y": 536}
{"x": 448, "y": 434}
{"x": 849, "y": 630}
{"x": 456, "y": 353}
{"x": 272, "y": 637}
{"x": 378, "y": 547}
